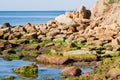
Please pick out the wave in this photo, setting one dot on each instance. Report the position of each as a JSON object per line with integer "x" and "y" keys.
{"x": 27, "y": 16}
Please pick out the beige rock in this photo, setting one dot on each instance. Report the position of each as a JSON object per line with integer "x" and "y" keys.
{"x": 52, "y": 24}
{"x": 18, "y": 29}
{"x": 65, "y": 20}
{"x": 84, "y": 13}
{"x": 3, "y": 31}
{"x": 72, "y": 28}
{"x": 29, "y": 28}
{"x": 30, "y": 35}
{"x": 75, "y": 14}
{"x": 68, "y": 14}
{"x": 115, "y": 43}
{"x": 53, "y": 33}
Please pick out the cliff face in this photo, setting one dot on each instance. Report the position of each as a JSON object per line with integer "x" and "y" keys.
{"x": 106, "y": 11}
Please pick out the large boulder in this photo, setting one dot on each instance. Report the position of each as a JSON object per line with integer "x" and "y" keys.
{"x": 65, "y": 20}
{"x": 71, "y": 71}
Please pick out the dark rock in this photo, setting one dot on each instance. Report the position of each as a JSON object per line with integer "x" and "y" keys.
{"x": 2, "y": 47}
{"x": 6, "y": 25}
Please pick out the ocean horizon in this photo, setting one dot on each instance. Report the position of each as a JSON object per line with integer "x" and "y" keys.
{"x": 23, "y": 17}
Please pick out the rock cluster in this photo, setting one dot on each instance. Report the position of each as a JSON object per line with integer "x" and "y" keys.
{"x": 71, "y": 26}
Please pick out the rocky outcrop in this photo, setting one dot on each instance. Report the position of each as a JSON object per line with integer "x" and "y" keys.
{"x": 105, "y": 12}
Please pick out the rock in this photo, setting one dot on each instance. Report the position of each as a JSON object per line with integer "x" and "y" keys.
{"x": 2, "y": 47}
{"x": 18, "y": 29}
{"x": 30, "y": 35}
{"x": 5, "y": 36}
{"x": 3, "y": 31}
{"x": 27, "y": 71}
{"x": 81, "y": 55}
{"x": 53, "y": 33}
{"x": 52, "y": 24}
{"x": 5, "y": 25}
{"x": 114, "y": 72}
{"x": 30, "y": 28}
{"x": 49, "y": 44}
{"x": 68, "y": 14}
{"x": 60, "y": 36}
{"x": 71, "y": 71}
{"x": 80, "y": 28}
{"x": 8, "y": 78}
{"x": 11, "y": 36}
{"x": 72, "y": 29}
{"x": 75, "y": 14}
{"x": 115, "y": 43}
{"x": 65, "y": 20}
{"x": 53, "y": 60}
{"x": 84, "y": 13}
{"x": 49, "y": 79}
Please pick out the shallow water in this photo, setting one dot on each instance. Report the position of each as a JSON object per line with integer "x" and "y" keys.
{"x": 43, "y": 72}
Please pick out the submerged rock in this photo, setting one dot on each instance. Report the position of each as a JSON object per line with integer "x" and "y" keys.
{"x": 49, "y": 79}
{"x": 27, "y": 71}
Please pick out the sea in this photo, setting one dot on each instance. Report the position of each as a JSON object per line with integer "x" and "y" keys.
{"x": 23, "y": 17}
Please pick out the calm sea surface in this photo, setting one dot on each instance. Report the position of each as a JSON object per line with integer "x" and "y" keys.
{"x": 23, "y": 17}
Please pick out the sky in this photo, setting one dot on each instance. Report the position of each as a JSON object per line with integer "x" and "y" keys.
{"x": 43, "y": 5}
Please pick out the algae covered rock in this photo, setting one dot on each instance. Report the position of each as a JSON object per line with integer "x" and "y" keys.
{"x": 8, "y": 78}
{"x": 27, "y": 71}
